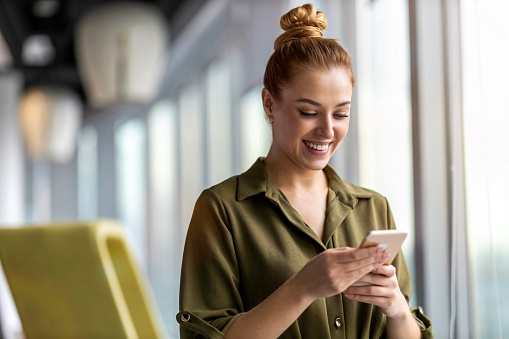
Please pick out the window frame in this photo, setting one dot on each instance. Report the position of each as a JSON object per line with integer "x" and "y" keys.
{"x": 440, "y": 213}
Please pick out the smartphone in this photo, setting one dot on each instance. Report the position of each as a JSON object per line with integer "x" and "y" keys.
{"x": 390, "y": 240}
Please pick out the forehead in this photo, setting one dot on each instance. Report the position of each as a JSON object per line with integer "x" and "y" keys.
{"x": 319, "y": 84}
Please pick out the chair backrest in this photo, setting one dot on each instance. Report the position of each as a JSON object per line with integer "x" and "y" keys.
{"x": 77, "y": 280}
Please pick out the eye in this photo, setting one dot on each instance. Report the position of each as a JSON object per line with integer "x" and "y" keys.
{"x": 341, "y": 115}
{"x": 307, "y": 114}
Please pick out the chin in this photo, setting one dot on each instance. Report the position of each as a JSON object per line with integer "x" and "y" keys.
{"x": 316, "y": 165}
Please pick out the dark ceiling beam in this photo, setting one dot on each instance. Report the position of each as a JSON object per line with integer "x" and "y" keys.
{"x": 13, "y": 28}
{"x": 18, "y": 21}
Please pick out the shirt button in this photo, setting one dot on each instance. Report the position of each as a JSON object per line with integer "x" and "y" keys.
{"x": 337, "y": 322}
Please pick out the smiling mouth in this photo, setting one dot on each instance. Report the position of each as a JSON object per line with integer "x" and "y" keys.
{"x": 322, "y": 147}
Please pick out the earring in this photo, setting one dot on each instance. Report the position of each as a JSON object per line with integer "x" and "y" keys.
{"x": 271, "y": 120}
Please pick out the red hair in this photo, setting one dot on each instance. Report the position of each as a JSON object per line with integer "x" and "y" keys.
{"x": 302, "y": 47}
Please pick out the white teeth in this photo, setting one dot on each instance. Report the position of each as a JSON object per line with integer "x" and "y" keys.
{"x": 317, "y": 147}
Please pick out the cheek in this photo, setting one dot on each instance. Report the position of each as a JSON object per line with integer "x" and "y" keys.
{"x": 285, "y": 130}
{"x": 294, "y": 127}
{"x": 342, "y": 129}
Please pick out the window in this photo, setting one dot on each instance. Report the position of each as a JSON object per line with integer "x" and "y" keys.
{"x": 165, "y": 246}
{"x": 191, "y": 151}
{"x": 256, "y": 135}
{"x": 87, "y": 173}
{"x": 130, "y": 150}
{"x": 383, "y": 84}
{"x": 219, "y": 123}
{"x": 485, "y": 51}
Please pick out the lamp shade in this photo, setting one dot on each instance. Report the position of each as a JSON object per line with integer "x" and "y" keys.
{"x": 119, "y": 51}
{"x": 50, "y": 118}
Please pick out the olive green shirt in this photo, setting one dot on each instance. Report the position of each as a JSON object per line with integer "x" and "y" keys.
{"x": 245, "y": 240}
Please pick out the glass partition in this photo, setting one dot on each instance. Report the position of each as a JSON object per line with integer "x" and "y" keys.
{"x": 255, "y": 134}
{"x": 219, "y": 123}
{"x": 87, "y": 173}
{"x": 191, "y": 151}
{"x": 165, "y": 246}
{"x": 130, "y": 159}
{"x": 485, "y": 71}
{"x": 385, "y": 115}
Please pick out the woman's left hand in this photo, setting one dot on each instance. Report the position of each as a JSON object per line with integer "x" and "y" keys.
{"x": 384, "y": 292}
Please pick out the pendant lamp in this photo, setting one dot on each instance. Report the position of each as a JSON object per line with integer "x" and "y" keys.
{"x": 120, "y": 50}
{"x": 50, "y": 118}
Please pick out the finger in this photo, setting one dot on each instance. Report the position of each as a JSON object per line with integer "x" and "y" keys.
{"x": 390, "y": 304}
{"x": 364, "y": 266}
{"x": 367, "y": 290}
{"x": 385, "y": 270}
{"x": 365, "y": 252}
{"x": 366, "y": 280}
{"x": 373, "y": 283}
{"x": 345, "y": 255}
{"x": 339, "y": 252}
{"x": 369, "y": 299}
{"x": 375, "y": 279}
{"x": 363, "y": 275}
{"x": 341, "y": 249}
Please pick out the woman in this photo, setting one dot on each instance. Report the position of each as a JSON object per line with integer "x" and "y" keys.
{"x": 271, "y": 253}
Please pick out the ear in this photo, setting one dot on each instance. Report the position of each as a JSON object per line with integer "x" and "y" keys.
{"x": 268, "y": 103}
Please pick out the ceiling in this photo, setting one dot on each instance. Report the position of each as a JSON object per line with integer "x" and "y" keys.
{"x": 40, "y": 35}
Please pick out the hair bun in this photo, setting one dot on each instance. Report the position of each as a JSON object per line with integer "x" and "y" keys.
{"x": 301, "y": 22}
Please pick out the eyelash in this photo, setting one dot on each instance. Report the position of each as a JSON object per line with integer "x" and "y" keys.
{"x": 310, "y": 115}
{"x": 340, "y": 116}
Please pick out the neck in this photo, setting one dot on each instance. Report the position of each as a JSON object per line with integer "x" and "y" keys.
{"x": 289, "y": 176}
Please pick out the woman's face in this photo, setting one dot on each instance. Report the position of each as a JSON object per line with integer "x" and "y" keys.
{"x": 312, "y": 117}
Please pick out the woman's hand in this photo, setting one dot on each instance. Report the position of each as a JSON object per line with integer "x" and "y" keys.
{"x": 332, "y": 271}
{"x": 384, "y": 292}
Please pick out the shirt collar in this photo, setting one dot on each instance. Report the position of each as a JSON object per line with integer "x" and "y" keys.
{"x": 255, "y": 181}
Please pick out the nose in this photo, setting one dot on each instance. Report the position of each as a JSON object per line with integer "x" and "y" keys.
{"x": 325, "y": 127}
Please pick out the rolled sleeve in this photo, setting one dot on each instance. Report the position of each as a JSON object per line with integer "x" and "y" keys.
{"x": 424, "y": 323}
{"x": 193, "y": 326}
{"x": 209, "y": 294}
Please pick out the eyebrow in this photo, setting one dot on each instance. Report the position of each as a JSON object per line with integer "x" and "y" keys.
{"x": 314, "y": 103}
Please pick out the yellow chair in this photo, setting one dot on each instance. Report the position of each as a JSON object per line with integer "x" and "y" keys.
{"x": 77, "y": 280}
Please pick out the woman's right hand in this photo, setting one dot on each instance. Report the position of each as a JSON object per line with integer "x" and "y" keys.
{"x": 334, "y": 270}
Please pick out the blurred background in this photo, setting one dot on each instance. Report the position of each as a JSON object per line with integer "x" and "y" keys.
{"x": 127, "y": 110}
